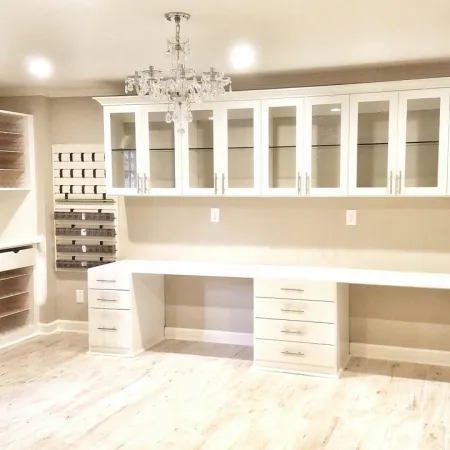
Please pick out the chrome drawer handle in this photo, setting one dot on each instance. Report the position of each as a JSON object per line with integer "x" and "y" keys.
{"x": 106, "y": 281}
{"x": 291, "y": 332}
{"x": 106, "y": 300}
{"x": 106, "y": 329}
{"x": 293, "y": 289}
{"x": 286, "y": 352}
{"x": 299, "y": 311}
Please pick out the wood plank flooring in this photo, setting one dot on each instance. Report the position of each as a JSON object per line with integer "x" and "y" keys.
{"x": 184, "y": 395}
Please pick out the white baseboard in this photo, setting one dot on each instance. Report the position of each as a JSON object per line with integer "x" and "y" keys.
{"x": 47, "y": 328}
{"x": 18, "y": 336}
{"x": 219, "y": 337}
{"x": 401, "y": 354}
{"x": 73, "y": 326}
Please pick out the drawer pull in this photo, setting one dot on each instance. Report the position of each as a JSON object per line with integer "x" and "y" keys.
{"x": 107, "y": 300}
{"x": 291, "y": 332}
{"x": 293, "y": 289}
{"x": 299, "y": 311}
{"x": 106, "y": 329}
{"x": 286, "y": 352}
{"x": 106, "y": 281}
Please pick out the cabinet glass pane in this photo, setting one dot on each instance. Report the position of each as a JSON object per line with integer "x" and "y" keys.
{"x": 240, "y": 148}
{"x": 326, "y": 146}
{"x": 282, "y": 146}
{"x": 123, "y": 146}
{"x": 373, "y": 138}
{"x": 201, "y": 150}
{"x": 162, "y": 151}
{"x": 422, "y": 142}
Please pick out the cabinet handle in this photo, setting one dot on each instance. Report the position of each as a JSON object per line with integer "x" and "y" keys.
{"x": 291, "y": 332}
{"x": 145, "y": 184}
{"x": 139, "y": 184}
{"x": 400, "y": 182}
{"x": 106, "y": 281}
{"x": 215, "y": 184}
{"x": 299, "y": 182}
{"x": 286, "y": 352}
{"x": 106, "y": 329}
{"x": 307, "y": 183}
{"x": 299, "y": 311}
{"x": 293, "y": 289}
{"x": 390, "y": 183}
{"x": 396, "y": 184}
{"x": 106, "y": 300}
{"x": 223, "y": 184}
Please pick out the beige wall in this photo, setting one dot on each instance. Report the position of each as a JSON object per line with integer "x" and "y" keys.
{"x": 402, "y": 234}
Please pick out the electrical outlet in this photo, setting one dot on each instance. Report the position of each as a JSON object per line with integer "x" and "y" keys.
{"x": 215, "y": 215}
{"x": 351, "y": 217}
{"x": 80, "y": 296}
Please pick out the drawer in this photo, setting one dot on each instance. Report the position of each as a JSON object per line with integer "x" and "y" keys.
{"x": 290, "y": 330}
{"x": 109, "y": 329}
{"x": 295, "y": 289}
{"x": 294, "y": 354}
{"x": 106, "y": 277}
{"x": 109, "y": 299}
{"x": 23, "y": 258}
{"x": 301, "y": 310}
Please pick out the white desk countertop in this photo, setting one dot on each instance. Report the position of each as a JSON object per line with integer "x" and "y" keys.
{"x": 340, "y": 275}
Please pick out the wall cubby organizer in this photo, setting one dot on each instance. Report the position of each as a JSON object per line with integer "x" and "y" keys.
{"x": 85, "y": 217}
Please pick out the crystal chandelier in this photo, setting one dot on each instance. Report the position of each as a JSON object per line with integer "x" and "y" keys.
{"x": 182, "y": 87}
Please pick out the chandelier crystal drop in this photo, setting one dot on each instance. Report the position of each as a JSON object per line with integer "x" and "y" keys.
{"x": 182, "y": 87}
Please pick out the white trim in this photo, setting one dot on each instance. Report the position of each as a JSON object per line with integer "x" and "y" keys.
{"x": 216, "y": 336}
{"x": 401, "y": 354}
{"x": 17, "y": 336}
{"x": 73, "y": 326}
{"x": 47, "y": 328}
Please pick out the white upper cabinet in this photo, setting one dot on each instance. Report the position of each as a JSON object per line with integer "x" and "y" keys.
{"x": 373, "y": 143}
{"x": 326, "y": 146}
{"x": 161, "y": 170}
{"x": 123, "y": 126}
{"x": 423, "y": 135}
{"x": 281, "y": 150}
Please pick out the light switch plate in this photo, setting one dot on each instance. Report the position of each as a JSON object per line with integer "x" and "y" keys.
{"x": 351, "y": 217}
{"x": 80, "y": 296}
{"x": 215, "y": 215}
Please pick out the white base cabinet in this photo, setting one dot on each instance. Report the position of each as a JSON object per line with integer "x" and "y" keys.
{"x": 301, "y": 326}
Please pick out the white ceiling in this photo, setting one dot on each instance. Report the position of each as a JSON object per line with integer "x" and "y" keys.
{"x": 92, "y": 42}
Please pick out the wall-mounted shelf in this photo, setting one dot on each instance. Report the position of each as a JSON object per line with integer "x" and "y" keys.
{"x": 12, "y": 312}
{"x": 5, "y": 294}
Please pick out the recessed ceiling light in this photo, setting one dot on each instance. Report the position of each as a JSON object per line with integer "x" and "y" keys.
{"x": 335, "y": 109}
{"x": 40, "y": 68}
{"x": 243, "y": 56}
{"x": 211, "y": 118}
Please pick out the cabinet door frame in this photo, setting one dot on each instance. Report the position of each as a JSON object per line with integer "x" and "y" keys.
{"x": 444, "y": 96}
{"x": 221, "y": 142}
{"x": 265, "y": 148}
{"x": 107, "y": 112}
{"x": 355, "y": 99}
{"x": 185, "y": 163}
{"x": 146, "y": 168}
{"x": 342, "y": 190}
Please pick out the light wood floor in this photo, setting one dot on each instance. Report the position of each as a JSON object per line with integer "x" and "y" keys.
{"x": 205, "y": 396}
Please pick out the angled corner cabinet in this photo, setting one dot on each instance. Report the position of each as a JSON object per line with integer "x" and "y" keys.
{"x": 373, "y": 139}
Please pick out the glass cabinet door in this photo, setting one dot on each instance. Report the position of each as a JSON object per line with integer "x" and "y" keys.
{"x": 326, "y": 145}
{"x": 199, "y": 153}
{"x": 281, "y": 146}
{"x": 163, "y": 154}
{"x": 122, "y": 126}
{"x": 239, "y": 145}
{"x": 423, "y": 142}
{"x": 373, "y": 139}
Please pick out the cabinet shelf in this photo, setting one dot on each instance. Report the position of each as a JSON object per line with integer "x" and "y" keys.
{"x": 12, "y": 294}
{"x": 4, "y": 277}
{"x": 13, "y": 312}
{"x": 12, "y": 170}
{"x": 12, "y": 133}
{"x": 374, "y": 144}
{"x": 13, "y": 152}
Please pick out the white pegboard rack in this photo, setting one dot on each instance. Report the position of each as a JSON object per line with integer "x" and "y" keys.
{"x": 85, "y": 217}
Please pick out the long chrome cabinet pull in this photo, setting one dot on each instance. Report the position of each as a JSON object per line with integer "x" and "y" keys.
{"x": 299, "y": 181}
{"x": 106, "y": 329}
{"x": 223, "y": 184}
{"x": 286, "y": 352}
{"x": 299, "y": 311}
{"x": 400, "y": 182}
{"x": 145, "y": 184}
{"x": 106, "y": 281}
{"x": 139, "y": 184}
{"x": 293, "y": 289}
{"x": 291, "y": 332}
{"x": 215, "y": 184}
{"x": 106, "y": 300}
{"x": 390, "y": 183}
{"x": 396, "y": 184}
{"x": 307, "y": 184}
